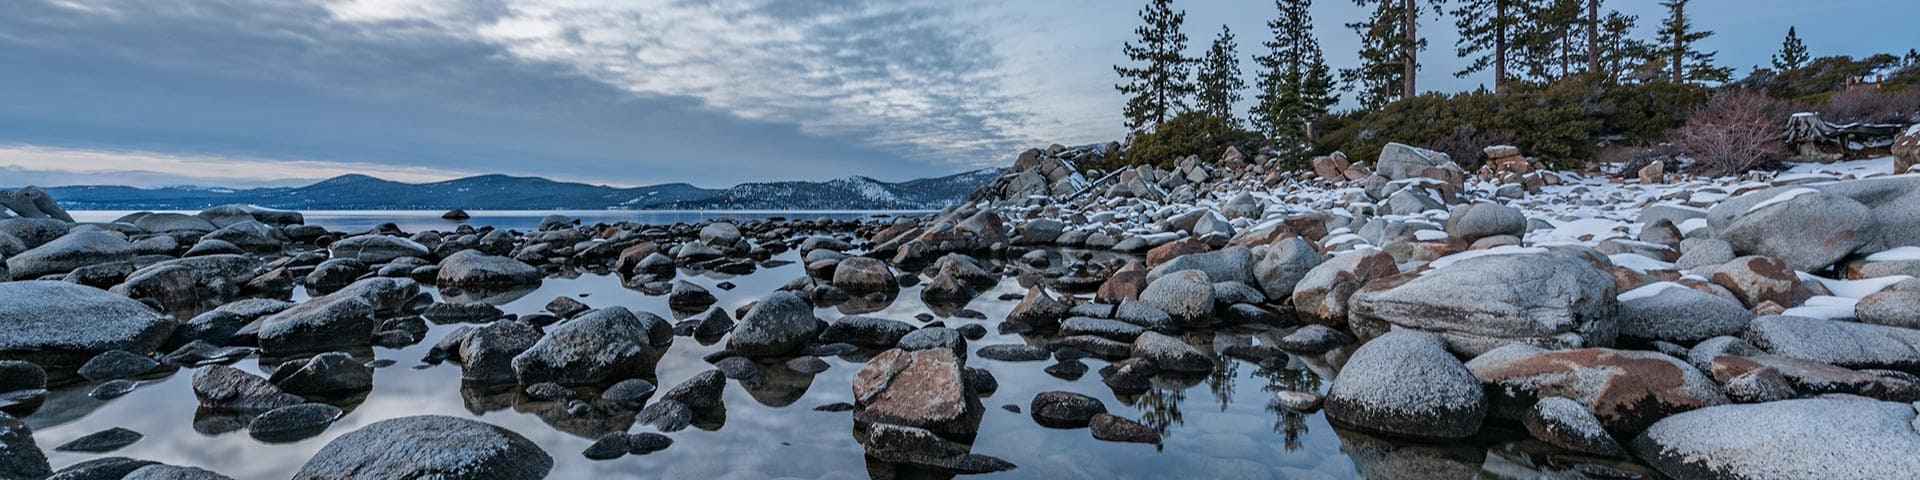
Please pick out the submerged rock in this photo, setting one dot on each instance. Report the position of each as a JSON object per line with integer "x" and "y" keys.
{"x": 601, "y": 346}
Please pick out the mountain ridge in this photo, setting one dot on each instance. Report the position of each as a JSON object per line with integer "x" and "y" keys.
{"x": 508, "y": 192}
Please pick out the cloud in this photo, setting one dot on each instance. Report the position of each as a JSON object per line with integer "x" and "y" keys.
{"x": 35, "y": 165}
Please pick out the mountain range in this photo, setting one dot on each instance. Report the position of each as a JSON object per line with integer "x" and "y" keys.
{"x": 502, "y": 192}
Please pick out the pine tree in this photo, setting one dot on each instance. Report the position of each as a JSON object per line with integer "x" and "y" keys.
{"x": 1488, "y": 29}
{"x": 1160, "y": 87}
{"x": 1219, "y": 77}
{"x": 1296, "y": 87}
{"x": 1593, "y": 35}
{"x": 1549, "y": 41}
{"x": 1390, "y": 46}
{"x": 1618, "y": 51}
{"x": 1684, "y": 62}
{"x": 1793, "y": 53}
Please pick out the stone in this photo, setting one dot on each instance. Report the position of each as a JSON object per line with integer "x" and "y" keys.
{"x": 720, "y": 234}
{"x": 702, "y": 391}
{"x": 1186, "y": 295}
{"x": 1479, "y": 220}
{"x": 629, "y": 394}
{"x": 601, "y": 346}
{"x": 666, "y": 416}
{"x": 1013, "y": 353}
{"x": 428, "y": 446}
{"x": 1845, "y": 344}
{"x": 472, "y": 269}
{"x": 292, "y": 423}
{"x": 1806, "y": 231}
{"x": 1405, "y": 383}
{"x": 19, "y": 456}
{"x": 1321, "y": 295}
{"x": 1231, "y": 264}
{"x": 921, "y": 389}
{"x": 866, "y": 331}
{"x": 487, "y": 355}
{"x": 1314, "y": 340}
{"x": 1699, "y": 253}
{"x": 1171, "y": 354}
{"x": 102, "y": 441}
{"x": 61, "y": 325}
{"x": 1835, "y": 437}
{"x": 921, "y": 447}
{"x": 117, "y": 364}
{"x": 227, "y": 389}
{"x": 1111, "y": 329}
{"x": 1566, "y": 424}
{"x": 1038, "y": 308}
{"x": 689, "y": 296}
{"x": 1400, "y": 162}
{"x": 1331, "y": 168}
{"x": 173, "y": 472}
{"x": 1481, "y": 302}
{"x": 319, "y": 324}
{"x": 376, "y": 249}
{"x": 105, "y": 468}
{"x": 862, "y": 275}
{"x": 449, "y": 313}
{"x": 778, "y": 325}
{"x": 1756, "y": 280}
{"x": 1626, "y": 390}
{"x": 1298, "y": 401}
{"x": 78, "y": 248}
{"x": 1895, "y": 306}
{"x": 1286, "y": 262}
{"x": 1058, "y": 409}
{"x": 1654, "y": 173}
{"x": 326, "y": 373}
{"x": 1116, "y": 429}
{"x": 1674, "y": 313}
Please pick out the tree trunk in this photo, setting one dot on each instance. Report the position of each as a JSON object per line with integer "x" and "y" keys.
{"x": 1409, "y": 64}
{"x": 1500, "y": 47}
{"x": 1679, "y": 41}
{"x": 1593, "y": 35}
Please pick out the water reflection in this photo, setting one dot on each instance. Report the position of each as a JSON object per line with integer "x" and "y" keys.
{"x": 769, "y": 426}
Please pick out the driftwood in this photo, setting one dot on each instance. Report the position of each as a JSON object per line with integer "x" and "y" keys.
{"x": 1817, "y": 139}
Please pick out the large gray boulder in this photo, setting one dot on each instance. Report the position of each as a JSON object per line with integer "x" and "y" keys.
{"x": 78, "y": 248}
{"x": 1400, "y": 161}
{"x": 31, "y": 202}
{"x": 1231, "y": 264}
{"x": 428, "y": 446}
{"x": 1889, "y": 201}
{"x": 1285, "y": 263}
{"x": 1486, "y": 299}
{"x": 1322, "y": 294}
{"x": 375, "y": 249}
{"x": 173, "y": 223}
{"x": 1485, "y": 219}
{"x": 31, "y": 232}
{"x": 780, "y": 324}
{"x": 1670, "y": 312}
{"x": 1806, "y": 228}
{"x": 1833, "y": 437}
{"x": 333, "y": 321}
{"x": 1405, "y": 383}
{"x": 598, "y": 347}
{"x": 470, "y": 269}
{"x": 250, "y": 235}
{"x": 20, "y": 457}
{"x": 1896, "y": 306}
{"x": 1187, "y": 295}
{"x": 61, "y": 325}
{"x": 1845, "y": 344}
{"x": 862, "y": 275}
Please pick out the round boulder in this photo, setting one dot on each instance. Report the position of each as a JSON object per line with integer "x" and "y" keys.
{"x": 428, "y": 446}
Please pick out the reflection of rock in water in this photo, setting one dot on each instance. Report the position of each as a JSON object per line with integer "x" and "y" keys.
{"x": 489, "y": 295}
{"x": 62, "y": 405}
{"x": 482, "y": 398}
{"x": 271, "y": 364}
{"x": 777, "y": 385}
{"x": 1526, "y": 457}
{"x": 590, "y": 422}
{"x": 1380, "y": 458}
{"x": 210, "y": 422}
{"x": 862, "y": 304}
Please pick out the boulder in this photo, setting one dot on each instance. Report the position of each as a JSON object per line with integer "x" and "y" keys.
{"x": 1065, "y": 409}
{"x": 374, "y": 249}
{"x": 599, "y": 347}
{"x": 720, "y": 234}
{"x": 428, "y": 446}
{"x": 1627, "y": 390}
{"x": 1038, "y": 308}
{"x": 1321, "y": 296}
{"x": 1834, "y": 437}
{"x": 862, "y": 275}
{"x": 61, "y": 325}
{"x": 1896, "y": 306}
{"x": 780, "y": 324}
{"x": 227, "y": 389}
{"x": 1846, "y": 344}
{"x": 1888, "y": 199}
{"x": 1804, "y": 228}
{"x": 488, "y": 353}
{"x": 1484, "y": 299}
{"x": 1170, "y": 353}
{"x": 1479, "y": 220}
{"x": 866, "y": 331}
{"x": 1671, "y": 312}
{"x": 1405, "y": 383}
{"x": 1231, "y": 264}
{"x": 905, "y": 445}
{"x": 1186, "y": 295}
{"x": 1286, "y": 262}
{"x": 1757, "y": 280}
{"x": 921, "y": 389}
{"x": 19, "y": 456}
{"x": 325, "y": 374}
{"x": 80, "y": 247}
{"x": 319, "y": 324}
{"x": 1567, "y": 424}
{"x": 1401, "y": 162}
{"x": 472, "y": 269}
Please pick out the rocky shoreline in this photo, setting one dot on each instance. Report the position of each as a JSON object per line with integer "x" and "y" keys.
{"x": 1674, "y": 322}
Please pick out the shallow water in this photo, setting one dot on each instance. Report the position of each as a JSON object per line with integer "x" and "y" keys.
{"x": 1216, "y": 426}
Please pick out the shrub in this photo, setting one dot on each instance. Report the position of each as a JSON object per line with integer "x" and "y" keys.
{"x": 1867, "y": 105}
{"x": 1189, "y": 133}
{"x": 1733, "y": 133}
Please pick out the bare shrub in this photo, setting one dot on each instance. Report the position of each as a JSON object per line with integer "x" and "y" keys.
{"x": 1467, "y": 144}
{"x": 1630, "y": 160}
{"x": 1732, "y": 134}
{"x": 1867, "y": 105}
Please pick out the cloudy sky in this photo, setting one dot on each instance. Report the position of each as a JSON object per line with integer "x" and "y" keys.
{"x": 633, "y": 92}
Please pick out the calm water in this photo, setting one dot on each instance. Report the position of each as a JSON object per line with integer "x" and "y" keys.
{"x": 1217, "y": 426}
{"x": 413, "y": 221}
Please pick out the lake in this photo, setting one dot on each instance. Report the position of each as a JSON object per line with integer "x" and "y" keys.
{"x": 1222, "y": 425}
{"x": 413, "y": 221}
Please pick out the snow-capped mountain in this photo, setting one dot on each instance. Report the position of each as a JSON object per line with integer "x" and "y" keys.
{"x": 502, "y": 192}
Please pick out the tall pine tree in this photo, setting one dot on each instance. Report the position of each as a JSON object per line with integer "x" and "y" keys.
{"x": 1390, "y": 46}
{"x": 1683, "y": 60}
{"x": 1159, "y": 87}
{"x": 1793, "y": 53}
{"x": 1219, "y": 77}
{"x": 1296, "y": 87}
{"x": 1550, "y": 41}
{"x": 1618, "y": 50}
{"x": 1487, "y": 32}
{"x": 1593, "y": 35}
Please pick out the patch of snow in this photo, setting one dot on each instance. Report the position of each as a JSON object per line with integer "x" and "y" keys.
{"x": 1639, "y": 263}
{"x": 1691, "y": 225}
{"x": 1856, "y": 288}
{"x": 1825, "y": 308}
{"x": 1782, "y": 198}
{"x": 1429, "y": 235}
{"x": 1649, "y": 290}
{"x": 1898, "y": 254}
{"x": 1443, "y": 262}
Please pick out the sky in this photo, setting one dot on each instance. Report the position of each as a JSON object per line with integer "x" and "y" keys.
{"x": 246, "y": 93}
